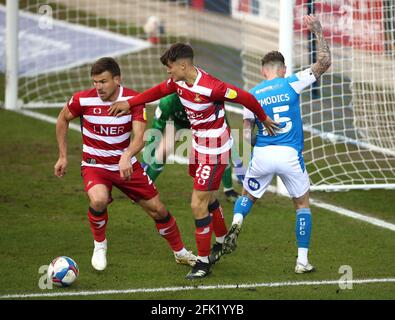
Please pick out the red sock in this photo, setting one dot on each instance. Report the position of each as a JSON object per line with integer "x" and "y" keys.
{"x": 203, "y": 232}
{"x": 218, "y": 219}
{"x": 98, "y": 222}
{"x": 168, "y": 229}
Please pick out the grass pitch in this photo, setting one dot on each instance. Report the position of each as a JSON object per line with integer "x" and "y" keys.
{"x": 43, "y": 217}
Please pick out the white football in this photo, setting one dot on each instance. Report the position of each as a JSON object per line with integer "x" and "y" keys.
{"x": 62, "y": 271}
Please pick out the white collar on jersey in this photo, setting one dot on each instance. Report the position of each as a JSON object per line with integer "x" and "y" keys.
{"x": 120, "y": 93}
{"x": 184, "y": 84}
{"x": 195, "y": 87}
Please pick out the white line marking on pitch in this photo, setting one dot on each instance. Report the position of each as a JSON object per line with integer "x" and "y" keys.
{"x": 354, "y": 215}
{"x": 190, "y": 288}
{"x": 182, "y": 160}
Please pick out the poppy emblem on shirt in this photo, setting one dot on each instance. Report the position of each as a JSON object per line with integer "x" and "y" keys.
{"x": 197, "y": 98}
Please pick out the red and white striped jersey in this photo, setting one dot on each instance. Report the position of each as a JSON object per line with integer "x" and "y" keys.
{"x": 204, "y": 105}
{"x": 104, "y": 137}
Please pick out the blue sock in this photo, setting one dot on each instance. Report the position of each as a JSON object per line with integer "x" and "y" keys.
{"x": 242, "y": 207}
{"x": 303, "y": 227}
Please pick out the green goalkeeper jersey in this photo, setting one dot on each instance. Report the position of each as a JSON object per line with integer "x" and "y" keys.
{"x": 170, "y": 108}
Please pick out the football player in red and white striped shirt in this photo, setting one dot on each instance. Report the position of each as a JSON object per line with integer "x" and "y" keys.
{"x": 203, "y": 97}
{"x": 108, "y": 159}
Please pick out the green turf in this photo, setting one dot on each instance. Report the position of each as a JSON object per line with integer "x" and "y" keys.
{"x": 44, "y": 217}
{"x": 358, "y": 200}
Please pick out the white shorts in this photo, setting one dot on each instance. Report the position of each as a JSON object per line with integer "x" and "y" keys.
{"x": 282, "y": 161}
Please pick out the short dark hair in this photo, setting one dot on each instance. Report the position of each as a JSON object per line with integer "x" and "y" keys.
{"x": 273, "y": 57}
{"x": 106, "y": 64}
{"x": 175, "y": 52}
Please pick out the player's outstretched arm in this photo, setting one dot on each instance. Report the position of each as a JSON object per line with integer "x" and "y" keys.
{"x": 120, "y": 108}
{"x": 323, "y": 53}
{"x": 62, "y": 126}
{"x": 249, "y": 101}
{"x": 231, "y": 93}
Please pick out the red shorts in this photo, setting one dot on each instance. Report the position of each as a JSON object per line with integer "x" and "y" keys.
{"x": 140, "y": 186}
{"x": 207, "y": 175}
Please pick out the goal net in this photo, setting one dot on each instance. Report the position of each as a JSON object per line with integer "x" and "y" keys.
{"x": 349, "y": 116}
{"x": 59, "y": 40}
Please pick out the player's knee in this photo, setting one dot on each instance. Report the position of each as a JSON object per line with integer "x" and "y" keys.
{"x": 97, "y": 213}
{"x": 99, "y": 204}
{"x": 301, "y": 202}
{"x": 156, "y": 208}
{"x": 161, "y": 211}
{"x": 198, "y": 208}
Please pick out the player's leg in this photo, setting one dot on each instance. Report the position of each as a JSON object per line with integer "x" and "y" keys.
{"x": 98, "y": 217}
{"x": 256, "y": 181}
{"x": 296, "y": 180}
{"x": 167, "y": 227}
{"x": 241, "y": 209}
{"x": 143, "y": 191}
{"x": 303, "y": 232}
{"x": 237, "y": 162}
{"x": 207, "y": 179}
{"x": 230, "y": 193}
{"x": 98, "y": 189}
{"x": 203, "y": 232}
{"x": 219, "y": 228}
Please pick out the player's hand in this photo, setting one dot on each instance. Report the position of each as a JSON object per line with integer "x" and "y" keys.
{"x": 312, "y": 23}
{"x": 60, "y": 167}
{"x": 119, "y": 108}
{"x": 125, "y": 167}
{"x": 271, "y": 126}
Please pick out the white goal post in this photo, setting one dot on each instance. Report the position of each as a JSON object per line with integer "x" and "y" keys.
{"x": 349, "y": 116}
{"x": 11, "y": 55}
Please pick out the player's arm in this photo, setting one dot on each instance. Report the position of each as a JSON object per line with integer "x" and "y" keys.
{"x": 161, "y": 90}
{"x": 62, "y": 126}
{"x": 323, "y": 53}
{"x": 135, "y": 146}
{"x": 232, "y": 93}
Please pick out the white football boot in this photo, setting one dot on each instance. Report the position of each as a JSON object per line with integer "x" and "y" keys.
{"x": 99, "y": 259}
{"x": 303, "y": 268}
{"x": 185, "y": 258}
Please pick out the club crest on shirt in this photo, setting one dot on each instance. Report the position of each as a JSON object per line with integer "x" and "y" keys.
{"x": 197, "y": 98}
{"x": 144, "y": 114}
{"x": 230, "y": 93}
{"x": 96, "y": 111}
{"x": 179, "y": 91}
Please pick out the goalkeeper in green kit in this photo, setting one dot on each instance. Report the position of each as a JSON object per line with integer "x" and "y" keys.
{"x": 171, "y": 110}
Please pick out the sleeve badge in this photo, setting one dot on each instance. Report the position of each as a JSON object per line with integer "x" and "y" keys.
{"x": 230, "y": 93}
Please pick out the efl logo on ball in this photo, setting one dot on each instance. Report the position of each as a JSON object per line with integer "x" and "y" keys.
{"x": 62, "y": 271}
